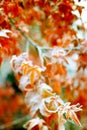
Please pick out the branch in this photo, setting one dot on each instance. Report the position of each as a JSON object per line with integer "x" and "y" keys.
{"x": 15, "y": 122}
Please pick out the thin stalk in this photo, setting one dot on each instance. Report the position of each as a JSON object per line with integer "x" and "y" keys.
{"x": 30, "y": 41}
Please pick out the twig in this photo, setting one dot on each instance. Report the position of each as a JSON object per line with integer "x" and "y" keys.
{"x": 15, "y": 122}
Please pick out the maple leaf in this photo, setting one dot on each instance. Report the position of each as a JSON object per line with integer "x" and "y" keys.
{"x": 34, "y": 122}
{"x": 35, "y": 97}
{"x": 17, "y": 61}
{"x": 3, "y": 33}
{"x": 33, "y": 72}
{"x": 70, "y": 110}
{"x": 50, "y": 105}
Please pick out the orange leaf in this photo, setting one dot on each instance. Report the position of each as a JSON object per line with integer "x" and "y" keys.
{"x": 61, "y": 69}
{"x": 32, "y": 78}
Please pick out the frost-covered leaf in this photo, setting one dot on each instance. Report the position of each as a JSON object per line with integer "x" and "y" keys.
{"x": 70, "y": 110}
{"x": 34, "y": 122}
{"x": 35, "y": 97}
{"x": 50, "y": 105}
{"x": 3, "y": 33}
{"x": 33, "y": 100}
